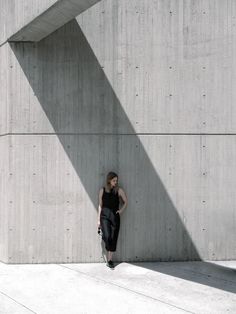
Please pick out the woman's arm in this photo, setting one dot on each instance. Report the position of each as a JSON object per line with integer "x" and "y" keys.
{"x": 100, "y": 203}
{"x": 124, "y": 198}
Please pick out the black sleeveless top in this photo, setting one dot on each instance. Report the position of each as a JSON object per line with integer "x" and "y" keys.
{"x": 110, "y": 200}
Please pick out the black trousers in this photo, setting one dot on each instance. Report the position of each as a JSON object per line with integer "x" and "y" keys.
{"x": 110, "y": 225}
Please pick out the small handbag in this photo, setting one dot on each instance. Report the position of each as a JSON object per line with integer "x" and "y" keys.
{"x": 100, "y": 231}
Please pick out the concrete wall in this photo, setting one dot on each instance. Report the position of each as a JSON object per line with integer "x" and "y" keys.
{"x": 4, "y": 175}
{"x": 141, "y": 88}
{"x": 22, "y": 21}
{"x": 15, "y": 14}
{"x": 4, "y": 150}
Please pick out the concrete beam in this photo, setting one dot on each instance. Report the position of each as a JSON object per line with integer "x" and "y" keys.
{"x": 61, "y": 12}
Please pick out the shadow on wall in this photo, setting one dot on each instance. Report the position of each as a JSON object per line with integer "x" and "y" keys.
{"x": 77, "y": 97}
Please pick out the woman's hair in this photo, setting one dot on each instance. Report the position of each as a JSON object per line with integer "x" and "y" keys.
{"x": 110, "y": 176}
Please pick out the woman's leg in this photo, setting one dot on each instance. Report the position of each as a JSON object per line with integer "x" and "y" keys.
{"x": 109, "y": 257}
{"x": 110, "y": 224}
{"x": 106, "y": 232}
{"x": 115, "y": 227}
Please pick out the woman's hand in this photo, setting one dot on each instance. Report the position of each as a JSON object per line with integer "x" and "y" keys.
{"x": 99, "y": 224}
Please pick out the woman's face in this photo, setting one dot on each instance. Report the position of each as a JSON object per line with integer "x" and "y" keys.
{"x": 114, "y": 181}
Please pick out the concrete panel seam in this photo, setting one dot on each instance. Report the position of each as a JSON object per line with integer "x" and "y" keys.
{"x": 74, "y": 133}
{"x": 6, "y": 295}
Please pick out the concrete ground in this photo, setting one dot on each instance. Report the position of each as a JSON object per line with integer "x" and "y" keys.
{"x": 147, "y": 287}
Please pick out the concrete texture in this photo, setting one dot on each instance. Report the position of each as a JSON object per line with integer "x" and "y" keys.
{"x": 132, "y": 288}
{"x": 15, "y": 14}
{"x": 38, "y": 20}
{"x": 141, "y": 88}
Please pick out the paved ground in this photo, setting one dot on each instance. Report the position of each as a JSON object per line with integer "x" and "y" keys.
{"x": 153, "y": 287}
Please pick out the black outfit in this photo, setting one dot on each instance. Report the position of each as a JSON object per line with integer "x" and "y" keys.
{"x": 109, "y": 220}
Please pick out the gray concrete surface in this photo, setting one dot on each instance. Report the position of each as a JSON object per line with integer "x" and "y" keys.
{"x": 15, "y": 14}
{"x": 144, "y": 88}
{"x": 22, "y": 21}
{"x": 132, "y": 288}
{"x": 58, "y": 14}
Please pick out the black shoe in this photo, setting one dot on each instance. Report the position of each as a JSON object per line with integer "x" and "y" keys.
{"x": 110, "y": 264}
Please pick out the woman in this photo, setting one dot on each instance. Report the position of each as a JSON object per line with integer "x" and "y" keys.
{"x": 109, "y": 213}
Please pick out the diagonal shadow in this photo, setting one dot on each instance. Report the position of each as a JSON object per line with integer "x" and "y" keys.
{"x": 206, "y": 273}
{"x": 96, "y": 133}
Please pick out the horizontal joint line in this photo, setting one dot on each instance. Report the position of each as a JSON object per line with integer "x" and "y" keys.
{"x": 68, "y": 133}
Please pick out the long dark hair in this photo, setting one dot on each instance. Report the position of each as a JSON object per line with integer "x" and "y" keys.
{"x": 110, "y": 176}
